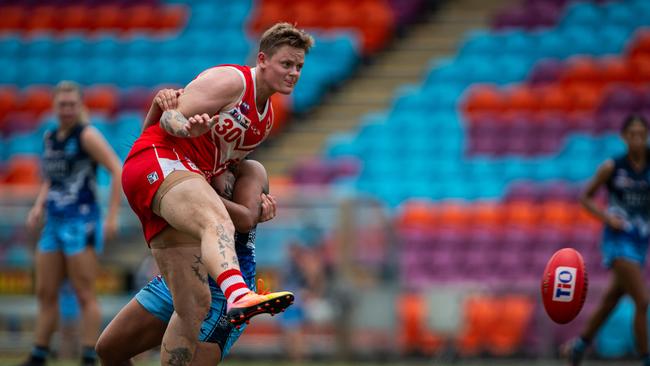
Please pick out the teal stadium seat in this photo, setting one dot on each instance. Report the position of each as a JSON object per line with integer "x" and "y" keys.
{"x": 74, "y": 46}
{"x": 41, "y": 46}
{"x": 582, "y": 14}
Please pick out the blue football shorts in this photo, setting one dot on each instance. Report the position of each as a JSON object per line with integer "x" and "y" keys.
{"x": 622, "y": 245}
{"x": 71, "y": 235}
{"x": 156, "y": 298}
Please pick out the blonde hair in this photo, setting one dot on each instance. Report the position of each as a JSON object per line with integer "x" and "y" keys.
{"x": 282, "y": 34}
{"x": 68, "y": 86}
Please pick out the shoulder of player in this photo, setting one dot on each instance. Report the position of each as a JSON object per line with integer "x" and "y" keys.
{"x": 607, "y": 167}
{"x": 222, "y": 78}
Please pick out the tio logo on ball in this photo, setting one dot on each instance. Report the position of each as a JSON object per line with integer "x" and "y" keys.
{"x": 565, "y": 283}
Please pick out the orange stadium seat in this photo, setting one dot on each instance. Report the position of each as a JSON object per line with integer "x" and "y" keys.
{"x": 486, "y": 214}
{"x": 585, "y": 96}
{"x": 8, "y": 100}
{"x": 106, "y": 17}
{"x": 454, "y": 214}
{"x": 337, "y": 14}
{"x": 74, "y": 18}
{"x": 480, "y": 313}
{"x": 23, "y": 170}
{"x": 615, "y": 70}
{"x": 41, "y": 18}
{"x": 375, "y": 21}
{"x": 558, "y": 213}
{"x": 640, "y": 68}
{"x": 281, "y": 111}
{"x": 308, "y": 14}
{"x": 13, "y": 17}
{"x": 512, "y": 320}
{"x": 138, "y": 17}
{"x": 101, "y": 98}
{"x": 554, "y": 98}
{"x": 641, "y": 43}
{"x": 415, "y": 338}
{"x": 269, "y": 13}
{"x": 581, "y": 69}
{"x": 520, "y": 98}
{"x": 483, "y": 98}
{"x": 521, "y": 213}
{"x": 36, "y": 99}
{"x": 171, "y": 17}
{"x": 420, "y": 214}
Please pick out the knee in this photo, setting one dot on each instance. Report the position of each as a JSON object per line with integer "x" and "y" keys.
{"x": 86, "y": 297}
{"x": 194, "y": 304}
{"x": 47, "y": 294}
{"x": 104, "y": 347}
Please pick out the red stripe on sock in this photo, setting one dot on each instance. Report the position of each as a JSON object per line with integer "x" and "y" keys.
{"x": 234, "y": 288}
{"x": 239, "y": 297}
{"x": 227, "y": 273}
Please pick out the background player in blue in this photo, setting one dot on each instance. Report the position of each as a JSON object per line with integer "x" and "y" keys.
{"x": 141, "y": 324}
{"x": 71, "y": 237}
{"x": 625, "y": 236}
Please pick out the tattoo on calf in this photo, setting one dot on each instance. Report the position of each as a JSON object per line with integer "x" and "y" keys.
{"x": 180, "y": 356}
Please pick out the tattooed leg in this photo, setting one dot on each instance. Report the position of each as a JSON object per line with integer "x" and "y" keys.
{"x": 186, "y": 276}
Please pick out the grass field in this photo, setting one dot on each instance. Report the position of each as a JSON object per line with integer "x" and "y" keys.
{"x": 486, "y": 362}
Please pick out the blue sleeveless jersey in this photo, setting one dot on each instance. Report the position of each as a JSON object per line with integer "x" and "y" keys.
{"x": 72, "y": 175}
{"x": 629, "y": 197}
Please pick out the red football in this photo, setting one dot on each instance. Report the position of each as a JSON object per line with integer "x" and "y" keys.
{"x": 564, "y": 285}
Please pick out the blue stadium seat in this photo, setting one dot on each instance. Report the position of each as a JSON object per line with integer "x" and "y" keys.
{"x": 42, "y": 46}
{"x": 481, "y": 43}
{"x": 11, "y": 45}
{"x": 9, "y": 71}
{"x": 106, "y": 46}
{"x": 585, "y": 14}
{"x": 73, "y": 45}
{"x": 30, "y": 143}
{"x": 140, "y": 45}
{"x": 100, "y": 71}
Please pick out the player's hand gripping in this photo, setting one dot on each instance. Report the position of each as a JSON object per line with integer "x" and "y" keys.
{"x": 269, "y": 207}
{"x": 199, "y": 124}
{"x": 167, "y": 99}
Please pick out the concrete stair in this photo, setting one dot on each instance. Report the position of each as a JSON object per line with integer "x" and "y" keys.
{"x": 373, "y": 87}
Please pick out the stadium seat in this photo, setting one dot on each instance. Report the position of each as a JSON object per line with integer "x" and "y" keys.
{"x": 101, "y": 98}
{"x": 22, "y": 170}
{"x": 36, "y": 99}
{"x": 41, "y": 18}
{"x": 74, "y": 18}
{"x": 13, "y": 17}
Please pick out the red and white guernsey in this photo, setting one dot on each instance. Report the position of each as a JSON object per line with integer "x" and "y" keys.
{"x": 238, "y": 132}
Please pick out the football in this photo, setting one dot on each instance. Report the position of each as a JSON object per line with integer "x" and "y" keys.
{"x": 564, "y": 285}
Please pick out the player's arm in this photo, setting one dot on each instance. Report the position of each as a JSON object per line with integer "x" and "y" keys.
{"x": 204, "y": 97}
{"x": 35, "y": 215}
{"x": 587, "y": 197}
{"x": 165, "y": 99}
{"x": 247, "y": 195}
{"x": 94, "y": 143}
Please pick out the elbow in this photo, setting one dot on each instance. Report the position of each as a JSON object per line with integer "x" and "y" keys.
{"x": 245, "y": 224}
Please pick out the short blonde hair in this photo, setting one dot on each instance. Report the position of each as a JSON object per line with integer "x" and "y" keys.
{"x": 282, "y": 34}
{"x": 67, "y": 86}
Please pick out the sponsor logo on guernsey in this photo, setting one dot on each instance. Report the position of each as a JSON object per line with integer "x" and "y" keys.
{"x": 152, "y": 177}
{"x": 244, "y": 107}
{"x": 565, "y": 283}
{"x": 242, "y": 120}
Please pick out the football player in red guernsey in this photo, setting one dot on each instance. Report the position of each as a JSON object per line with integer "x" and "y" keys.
{"x": 220, "y": 117}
